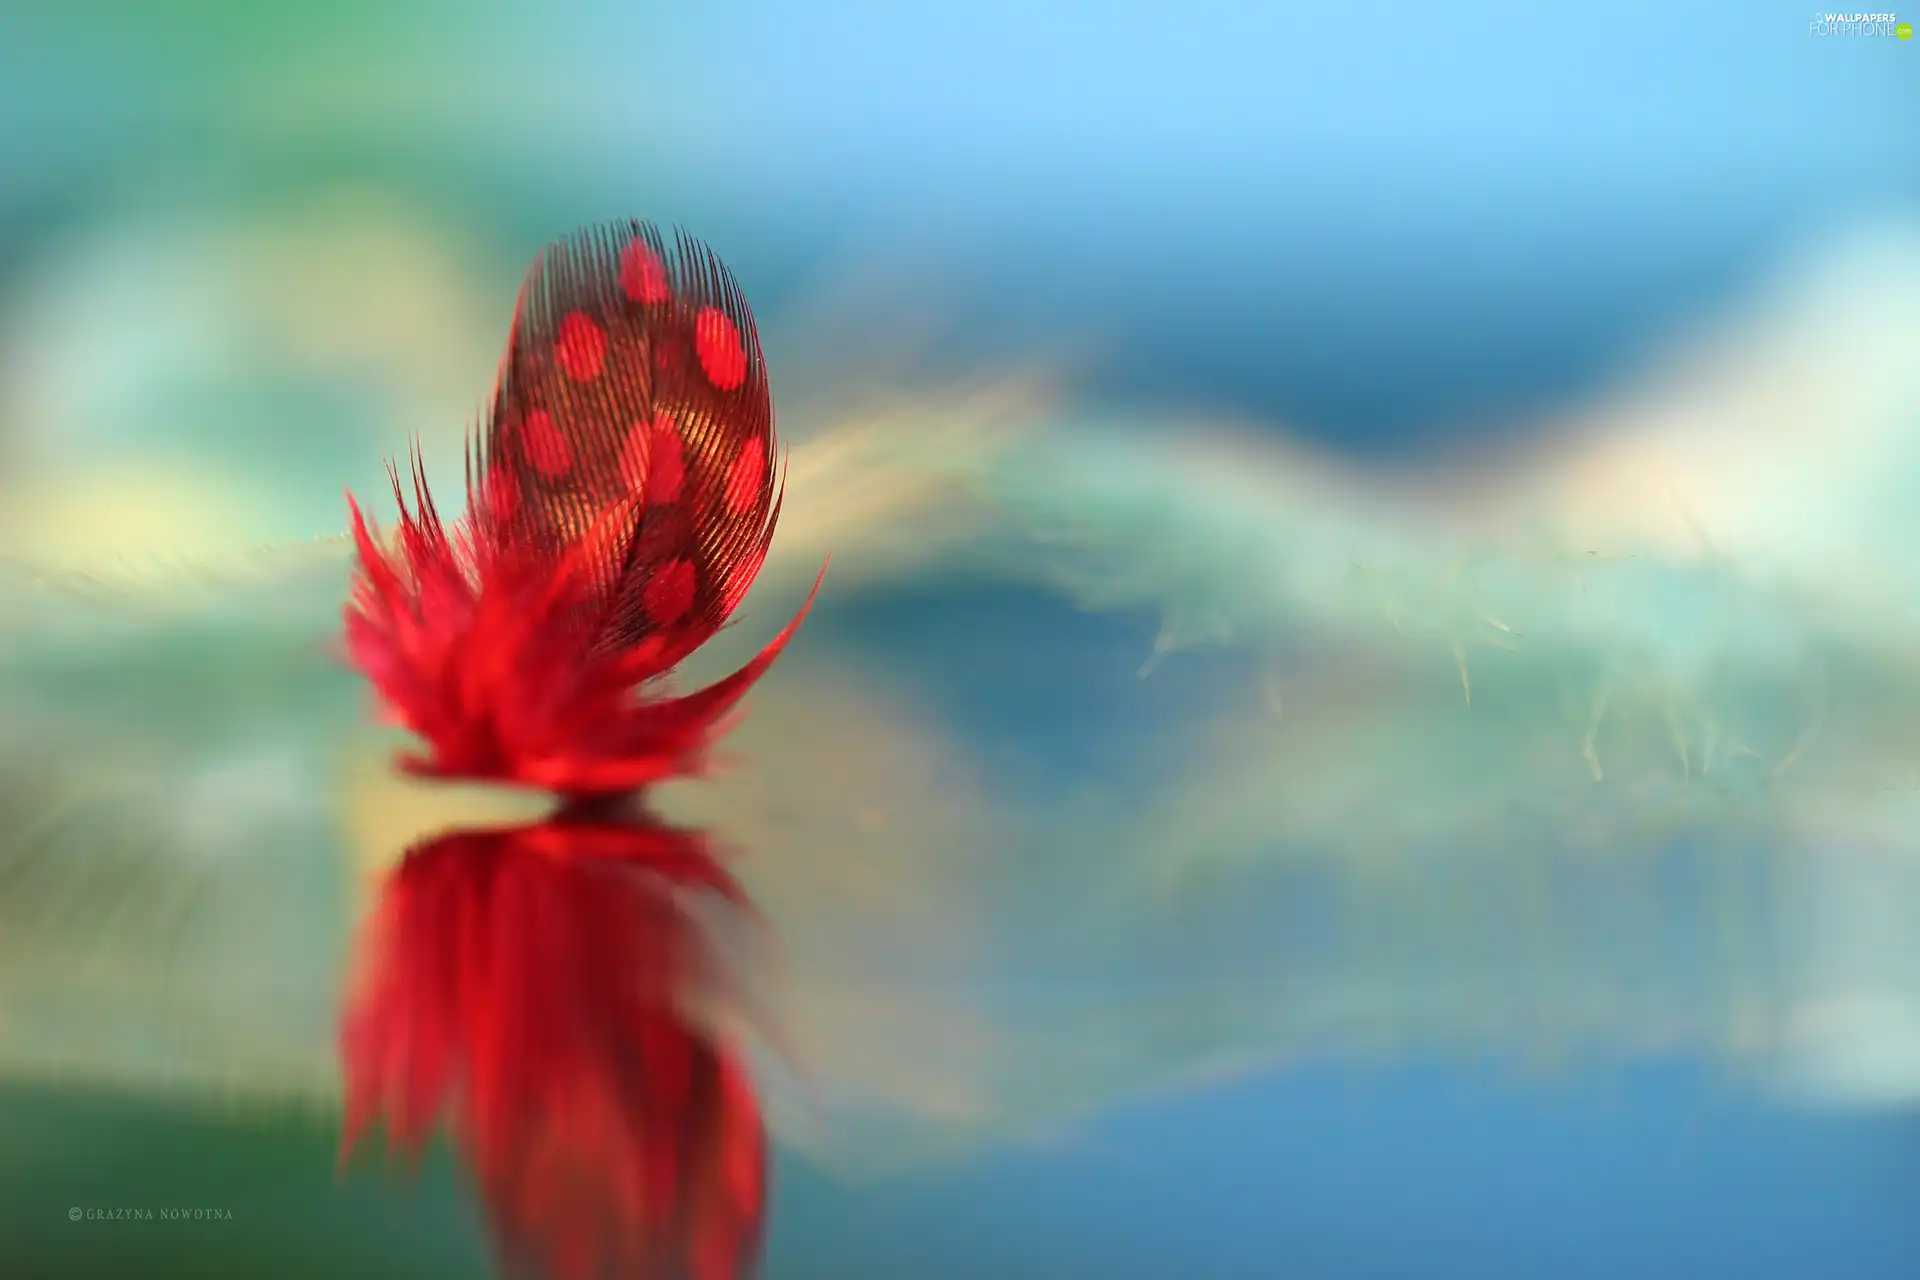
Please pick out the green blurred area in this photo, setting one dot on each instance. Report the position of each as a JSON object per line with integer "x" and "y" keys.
{"x": 270, "y": 1174}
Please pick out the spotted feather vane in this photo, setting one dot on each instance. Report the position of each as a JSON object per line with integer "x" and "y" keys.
{"x": 620, "y": 502}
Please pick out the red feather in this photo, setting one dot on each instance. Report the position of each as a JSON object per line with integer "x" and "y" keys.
{"x": 621, "y": 500}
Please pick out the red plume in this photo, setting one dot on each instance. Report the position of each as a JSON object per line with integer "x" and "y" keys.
{"x": 620, "y": 501}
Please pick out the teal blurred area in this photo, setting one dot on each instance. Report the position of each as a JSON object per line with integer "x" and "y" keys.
{"x": 248, "y": 251}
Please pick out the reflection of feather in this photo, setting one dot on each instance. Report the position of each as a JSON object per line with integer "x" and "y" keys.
{"x": 1672, "y": 815}
{"x": 538, "y": 982}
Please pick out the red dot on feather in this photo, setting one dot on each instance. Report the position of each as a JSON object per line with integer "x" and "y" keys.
{"x": 502, "y": 494}
{"x": 582, "y": 347}
{"x": 643, "y": 277}
{"x": 635, "y": 451}
{"x": 666, "y": 462}
{"x": 747, "y": 477}
{"x": 717, "y": 342}
{"x": 546, "y": 446}
{"x": 669, "y": 593}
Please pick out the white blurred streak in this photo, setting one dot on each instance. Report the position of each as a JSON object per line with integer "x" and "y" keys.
{"x": 1784, "y": 436}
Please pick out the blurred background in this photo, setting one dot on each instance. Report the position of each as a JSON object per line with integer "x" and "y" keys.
{"x": 248, "y": 249}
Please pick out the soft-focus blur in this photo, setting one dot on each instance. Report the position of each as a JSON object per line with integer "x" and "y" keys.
{"x": 1374, "y": 556}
